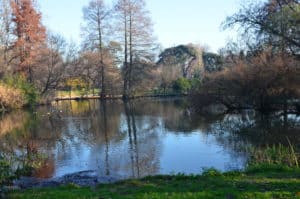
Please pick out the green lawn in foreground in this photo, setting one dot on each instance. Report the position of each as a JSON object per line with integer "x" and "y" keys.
{"x": 256, "y": 183}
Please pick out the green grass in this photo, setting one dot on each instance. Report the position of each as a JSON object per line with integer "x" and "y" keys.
{"x": 275, "y": 155}
{"x": 270, "y": 182}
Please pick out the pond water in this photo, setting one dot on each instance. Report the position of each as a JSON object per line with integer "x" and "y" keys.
{"x": 140, "y": 138}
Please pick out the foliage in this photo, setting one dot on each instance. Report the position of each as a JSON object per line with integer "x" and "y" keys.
{"x": 265, "y": 74}
{"x": 143, "y": 77}
{"x": 76, "y": 83}
{"x": 196, "y": 83}
{"x": 11, "y": 98}
{"x": 275, "y": 155}
{"x": 262, "y": 184}
{"x": 30, "y": 93}
{"x": 182, "y": 85}
{"x": 187, "y": 58}
{"x": 212, "y": 62}
{"x": 274, "y": 22}
{"x": 30, "y": 34}
{"x": 211, "y": 172}
{"x": 6, "y": 175}
{"x": 17, "y": 166}
{"x": 265, "y": 81}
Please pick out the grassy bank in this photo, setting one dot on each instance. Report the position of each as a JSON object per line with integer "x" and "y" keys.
{"x": 256, "y": 182}
{"x": 16, "y": 92}
{"x": 85, "y": 95}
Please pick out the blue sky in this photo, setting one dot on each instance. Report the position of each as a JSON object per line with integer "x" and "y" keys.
{"x": 175, "y": 21}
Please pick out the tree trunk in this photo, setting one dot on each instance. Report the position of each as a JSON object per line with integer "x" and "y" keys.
{"x": 130, "y": 55}
{"x": 125, "y": 86}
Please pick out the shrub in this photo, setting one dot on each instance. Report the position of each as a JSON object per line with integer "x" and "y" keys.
{"x": 22, "y": 87}
{"x": 19, "y": 165}
{"x": 182, "y": 85}
{"x": 11, "y": 98}
{"x": 265, "y": 81}
{"x": 211, "y": 172}
{"x": 275, "y": 155}
{"x": 6, "y": 174}
{"x": 195, "y": 83}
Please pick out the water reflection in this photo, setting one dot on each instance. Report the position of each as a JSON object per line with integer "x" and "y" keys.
{"x": 139, "y": 138}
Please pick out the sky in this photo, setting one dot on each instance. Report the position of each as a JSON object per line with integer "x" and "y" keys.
{"x": 175, "y": 21}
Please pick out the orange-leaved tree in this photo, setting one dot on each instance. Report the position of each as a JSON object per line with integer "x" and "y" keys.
{"x": 30, "y": 35}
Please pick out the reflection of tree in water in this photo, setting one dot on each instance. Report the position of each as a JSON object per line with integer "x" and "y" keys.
{"x": 131, "y": 127}
{"x": 84, "y": 120}
{"x": 92, "y": 127}
{"x": 27, "y": 139}
{"x": 173, "y": 112}
{"x": 105, "y": 130}
{"x": 236, "y": 129}
{"x": 126, "y": 139}
{"x": 67, "y": 128}
{"x": 75, "y": 108}
{"x": 98, "y": 125}
{"x": 251, "y": 129}
{"x": 176, "y": 116}
{"x": 143, "y": 142}
{"x": 12, "y": 122}
{"x": 259, "y": 129}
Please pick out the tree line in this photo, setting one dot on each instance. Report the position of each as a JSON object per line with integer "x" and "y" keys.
{"x": 119, "y": 55}
{"x": 118, "y": 43}
{"x": 262, "y": 71}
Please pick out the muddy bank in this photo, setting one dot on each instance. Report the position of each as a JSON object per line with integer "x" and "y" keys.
{"x": 84, "y": 178}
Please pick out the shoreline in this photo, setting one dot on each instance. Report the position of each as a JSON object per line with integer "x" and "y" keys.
{"x": 118, "y": 97}
{"x": 82, "y": 98}
{"x": 257, "y": 182}
{"x": 81, "y": 178}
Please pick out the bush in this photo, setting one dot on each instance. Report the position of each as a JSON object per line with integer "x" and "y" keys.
{"x": 25, "y": 93}
{"x": 11, "y": 98}
{"x": 275, "y": 155}
{"x": 266, "y": 81}
{"x": 6, "y": 174}
{"x": 17, "y": 165}
{"x": 195, "y": 83}
{"x": 182, "y": 85}
{"x": 211, "y": 172}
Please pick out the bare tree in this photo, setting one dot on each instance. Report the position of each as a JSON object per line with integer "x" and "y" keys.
{"x": 265, "y": 81}
{"x": 137, "y": 38}
{"x": 89, "y": 67}
{"x": 90, "y": 71}
{"x": 96, "y": 29}
{"x": 5, "y": 34}
{"x": 51, "y": 64}
{"x": 272, "y": 22}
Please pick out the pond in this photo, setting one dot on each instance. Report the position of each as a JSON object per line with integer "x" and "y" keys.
{"x": 140, "y": 138}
